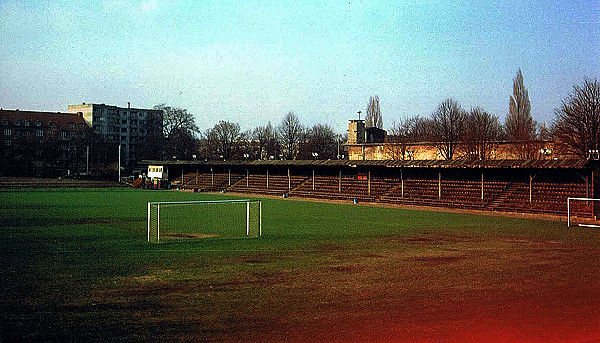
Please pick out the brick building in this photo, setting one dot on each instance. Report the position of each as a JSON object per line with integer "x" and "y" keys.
{"x": 42, "y": 143}
{"x": 372, "y": 144}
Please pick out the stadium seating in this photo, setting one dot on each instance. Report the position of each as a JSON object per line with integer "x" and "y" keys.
{"x": 27, "y": 182}
{"x": 207, "y": 181}
{"x": 257, "y": 183}
{"x": 548, "y": 195}
{"x": 328, "y": 187}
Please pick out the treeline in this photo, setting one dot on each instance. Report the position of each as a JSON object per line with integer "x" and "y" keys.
{"x": 290, "y": 139}
{"x": 472, "y": 134}
{"x": 454, "y": 131}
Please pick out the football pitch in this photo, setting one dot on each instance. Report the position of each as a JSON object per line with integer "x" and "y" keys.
{"x": 76, "y": 266}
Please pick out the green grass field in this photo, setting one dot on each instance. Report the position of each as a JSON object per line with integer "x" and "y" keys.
{"x": 76, "y": 267}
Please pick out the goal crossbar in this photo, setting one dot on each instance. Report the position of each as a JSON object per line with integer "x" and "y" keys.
{"x": 154, "y": 216}
{"x": 569, "y": 199}
{"x": 200, "y": 202}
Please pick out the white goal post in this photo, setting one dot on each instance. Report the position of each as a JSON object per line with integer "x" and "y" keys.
{"x": 204, "y": 219}
{"x": 582, "y": 211}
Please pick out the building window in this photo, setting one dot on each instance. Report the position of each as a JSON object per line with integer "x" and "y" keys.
{"x": 17, "y": 122}
{"x": 8, "y": 142}
{"x": 40, "y": 133}
{"x": 7, "y": 132}
{"x": 4, "y": 122}
{"x": 63, "y": 135}
{"x": 51, "y": 124}
{"x": 38, "y": 123}
{"x": 72, "y": 125}
{"x": 26, "y": 123}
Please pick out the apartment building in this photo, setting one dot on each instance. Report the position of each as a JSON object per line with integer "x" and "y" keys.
{"x": 125, "y": 126}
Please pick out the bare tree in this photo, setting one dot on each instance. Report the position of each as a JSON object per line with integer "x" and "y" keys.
{"x": 448, "y": 127}
{"x": 181, "y": 144}
{"x": 373, "y": 118}
{"x": 320, "y": 143}
{"x": 482, "y": 130}
{"x": 421, "y": 129}
{"x": 577, "y": 121}
{"x": 221, "y": 141}
{"x": 519, "y": 124}
{"x": 266, "y": 139}
{"x": 398, "y": 139}
{"x": 404, "y": 135}
{"x": 176, "y": 119}
{"x": 544, "y": 132}
{"x": 290, "y": 133}
{"x": 179, "y": 131}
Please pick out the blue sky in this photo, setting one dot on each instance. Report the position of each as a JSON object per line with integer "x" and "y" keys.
{"x": 251, "y": 62}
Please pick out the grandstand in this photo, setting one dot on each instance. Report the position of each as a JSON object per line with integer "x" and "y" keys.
{"x": 523, "y": 186}
{"x": 30, "y": 182}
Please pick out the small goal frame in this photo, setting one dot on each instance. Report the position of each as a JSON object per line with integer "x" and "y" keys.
{"x": 569, "y": 199}
{"x": 158, "y": 204}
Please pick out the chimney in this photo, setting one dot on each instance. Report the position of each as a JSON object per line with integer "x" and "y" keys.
{"x": 128, "y": 105}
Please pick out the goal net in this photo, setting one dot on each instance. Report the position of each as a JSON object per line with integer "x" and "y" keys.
{"x": 204, "y": 219}
{"x": 583, "y": 212}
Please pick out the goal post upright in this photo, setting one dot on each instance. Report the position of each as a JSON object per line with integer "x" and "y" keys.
{"x": 158, "y": 223}
{"x": 259, "y": 218}
{"x": 148, "y": 222}
{"x": 248, "y": 219}
{"x": 568, "y": 212}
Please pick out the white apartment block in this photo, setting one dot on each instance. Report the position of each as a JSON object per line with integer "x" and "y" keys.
{"x": 126, "y": 126}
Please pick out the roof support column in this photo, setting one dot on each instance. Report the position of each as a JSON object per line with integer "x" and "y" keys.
{"x": 481, "y": 185}
{"x": 587, "y": 186}
{"x": 313, "y": 180}
{"x": 369, "y": 182}
{"x": 402, "y": 182}
{"x": 247, "y": 178}
{"x": 530, "y": 187}
{"x": 289, "y": 180}
{"x": 212, "y": 177}
{"x": 440, "y": 184}
{"x": 229, "y": 176}
{"x": 340, "y": 182}
{"x": 267, "y": 178}
{"x": 197, "y": 172}
{"x": 593, "y": 195}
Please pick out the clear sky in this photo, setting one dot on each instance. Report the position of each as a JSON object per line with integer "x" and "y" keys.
{"x": 251, "y": 62}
